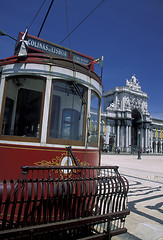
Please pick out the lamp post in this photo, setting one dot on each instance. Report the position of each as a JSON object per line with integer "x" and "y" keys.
{"x": 139, "y": 147}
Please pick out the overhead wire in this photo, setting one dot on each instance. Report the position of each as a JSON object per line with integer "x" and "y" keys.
{"x": 37, "y": 14}
{"x": 69, "y": 34}
{"x": 68, "y": 25}
{"x": 45, "y": 17}
{"x": 83, "y": 21}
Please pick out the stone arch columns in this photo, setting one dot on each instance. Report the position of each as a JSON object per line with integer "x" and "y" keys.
{"x": 126, "y": 114}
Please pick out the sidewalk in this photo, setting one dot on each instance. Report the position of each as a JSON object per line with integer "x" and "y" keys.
{"x": 145, "y": 196}
{"x": 147, "y": 162}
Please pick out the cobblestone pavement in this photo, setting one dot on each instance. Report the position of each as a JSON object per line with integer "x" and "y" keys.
{"x": 145, "y": 198}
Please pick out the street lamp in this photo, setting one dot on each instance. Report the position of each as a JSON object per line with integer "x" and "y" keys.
{"x": 139, "y": 148}
{"x": 5, "y": 34}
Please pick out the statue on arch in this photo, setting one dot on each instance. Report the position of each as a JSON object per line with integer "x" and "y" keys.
{"x": 133, "y": 83}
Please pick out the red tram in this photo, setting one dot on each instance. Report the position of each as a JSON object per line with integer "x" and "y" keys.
{"x": 50, "y": 100}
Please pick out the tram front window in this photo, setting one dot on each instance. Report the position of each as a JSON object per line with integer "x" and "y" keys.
{"x": 67, "y": 112}
{"x": 94, "y": 120}
{"x": 22, "y": 110}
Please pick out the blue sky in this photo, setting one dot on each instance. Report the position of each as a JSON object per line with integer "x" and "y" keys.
{"x": 129, "y": 33}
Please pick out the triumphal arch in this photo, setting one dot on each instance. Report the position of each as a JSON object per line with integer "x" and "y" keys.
{"x": 126, "y": 124}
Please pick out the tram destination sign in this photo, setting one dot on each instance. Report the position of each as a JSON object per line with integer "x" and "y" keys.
{"x": 47, "y": 47}
{"x": 40, "y": 45}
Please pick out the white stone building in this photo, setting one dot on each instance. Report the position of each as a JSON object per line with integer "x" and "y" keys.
{"x": 126, "y": 123}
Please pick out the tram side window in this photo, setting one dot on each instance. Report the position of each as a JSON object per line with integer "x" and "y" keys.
{"x": 22, "y": 111}
{"x": 94, "y": 119}
{"x": 67, "y": 111}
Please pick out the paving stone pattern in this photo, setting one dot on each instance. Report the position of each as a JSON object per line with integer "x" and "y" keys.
{"x": 145, "y": 198}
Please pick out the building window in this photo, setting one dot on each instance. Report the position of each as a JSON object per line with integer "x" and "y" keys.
{"x": 67, "y": 114}
{"x": 22, "y": 108}
{"x": 94, "y": 120}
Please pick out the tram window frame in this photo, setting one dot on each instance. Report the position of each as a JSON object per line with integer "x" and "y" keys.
{"x": 93, "y": 143}
{"x": 23, "y": 138}
{"x": 61, "y": 140}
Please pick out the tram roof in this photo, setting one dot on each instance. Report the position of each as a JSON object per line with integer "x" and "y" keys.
{"x": 41, "y": 58}
{"x": 44, "y": 52}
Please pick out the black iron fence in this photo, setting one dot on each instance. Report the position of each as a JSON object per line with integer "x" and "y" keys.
{"x": 64, "y": 203}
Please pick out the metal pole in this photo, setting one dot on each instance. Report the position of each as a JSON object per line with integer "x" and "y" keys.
{"x": 45, "y": 18}
{"x": 5, "y": 34}
{"x": 139, "y": 148}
